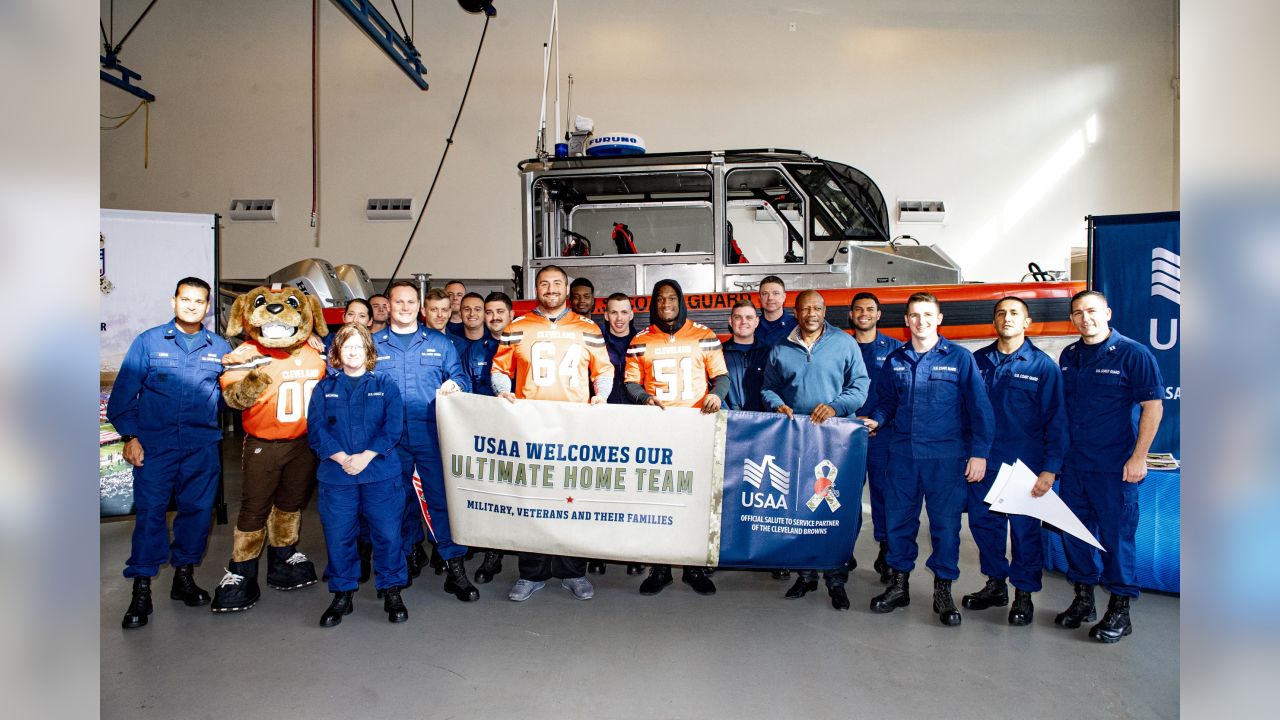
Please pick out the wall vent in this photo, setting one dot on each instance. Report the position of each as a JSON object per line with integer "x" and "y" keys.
{"x": 921, "y": 211}
{"x": 253, "y": 210}
{"x": 389, "y": 209}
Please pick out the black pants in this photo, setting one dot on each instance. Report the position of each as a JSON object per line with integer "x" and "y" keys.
{"x": 540, "y": 568}
{"x": 835, "y": 578}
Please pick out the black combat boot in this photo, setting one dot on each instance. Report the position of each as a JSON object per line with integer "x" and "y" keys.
{"x": 897, "y": 595}
{"x": 839, "y": 598}
{"x": 489, "y": 567}
{"x": 881, "y": 565}
{"x": 595, "y": 567}
{"x": 288, "y": 569}
{"x": 437, "y": 562}
{"x": 139, "y": 606}
{"x": 1022, "y": 610}
{"x": 944, "y": 605}
{"x": 1115, "y": 624}
{"x": 659, "y": 578}
{"x": 394, "y": 606}
{"x": 994, "y": 594}
{"x": 365, "y": 551}
{"x": 340, "y": 606}
{"x": 415, "y": 559}
{"x": 185, "y": 588}
{"x": 697, "y": 579}
{"x": 1082, "y": 609}
{"x": 456, "y": 581}
{"x": 238, "y": 589}
{"x": 802, "y": 586}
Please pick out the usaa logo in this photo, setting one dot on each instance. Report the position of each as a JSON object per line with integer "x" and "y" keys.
{"x": 754, "y": 474}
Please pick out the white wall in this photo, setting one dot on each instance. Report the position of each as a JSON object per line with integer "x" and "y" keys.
{"x": 981, "y": 103}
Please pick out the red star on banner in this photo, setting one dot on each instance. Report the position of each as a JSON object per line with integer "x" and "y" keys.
{"x": 569, "y": 499}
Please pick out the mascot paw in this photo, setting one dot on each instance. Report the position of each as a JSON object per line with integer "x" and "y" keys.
{"x": 244, "y": 393}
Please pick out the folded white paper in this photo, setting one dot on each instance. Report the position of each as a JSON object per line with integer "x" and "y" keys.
{"x": 1011, "y": 494}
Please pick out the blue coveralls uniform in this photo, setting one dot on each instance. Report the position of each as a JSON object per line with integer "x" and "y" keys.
{"x": 477, "y": 363}
{"x": 1025, "y": 389}
{"x": 418, "y": 370}
{"x": 1103, "y": 386}
{"x": 832, "y": 373}
{"x": 351, "y": 415}
{"x": 168, "y": 396}
{"x": 772, "y": 332}
{"x": 746, "y": 365}
{"x": 461, "y": 343}
{"x": 874, "y": 354}
{"x": 941, "y": 417}
{"x": 617, "y": 348}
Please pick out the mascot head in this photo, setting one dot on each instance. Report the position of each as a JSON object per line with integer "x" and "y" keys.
{"x": 277, "y": 318}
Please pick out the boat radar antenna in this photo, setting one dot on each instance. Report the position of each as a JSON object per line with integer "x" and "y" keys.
{"x": 553, "y": 38}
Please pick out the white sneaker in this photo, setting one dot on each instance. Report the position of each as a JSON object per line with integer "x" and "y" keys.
{"x": 523, "y": 589}
{"x": 580, "y": 587}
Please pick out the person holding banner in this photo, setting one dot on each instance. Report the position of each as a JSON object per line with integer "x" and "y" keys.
{"x": 745, "y": 358}
{"x": 864, "y": 318}
{"x": 675, "y": 363}
{"x": 357, "y": 417}
{"x": 477, "y": 362}
{"x": 1025, "y": 388}
{"x": 818, "y": 371}
{"x": 552, "y": 353}
{"x": 931, "y": 392}
{"x": 1114, "y": 398}
{"x": 164, "y": 404}
{"x": 422, "y": 361}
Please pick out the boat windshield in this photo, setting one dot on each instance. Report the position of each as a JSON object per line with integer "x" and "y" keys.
{"x": 846, "y": 209}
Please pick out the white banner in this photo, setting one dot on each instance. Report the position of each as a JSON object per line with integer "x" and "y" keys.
{"x": 582, "y": 480}
{"x": 141, "y": 256}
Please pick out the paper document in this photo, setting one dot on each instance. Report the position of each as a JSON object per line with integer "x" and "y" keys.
{"x": 1162, "y": 461}
{"x": 1011, "y": 494}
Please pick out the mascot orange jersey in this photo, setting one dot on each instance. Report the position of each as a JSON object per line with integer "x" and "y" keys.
{"x": 675, "y": 368}
{"x": 552, "y": 360}
{"x": 281, "y": 412}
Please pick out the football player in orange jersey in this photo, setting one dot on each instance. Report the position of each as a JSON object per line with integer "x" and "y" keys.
{"x": 675, "y": 363}
{"x": 552, "y": 353}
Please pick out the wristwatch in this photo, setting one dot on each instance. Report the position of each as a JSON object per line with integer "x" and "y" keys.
{"x": 126, "y": 438}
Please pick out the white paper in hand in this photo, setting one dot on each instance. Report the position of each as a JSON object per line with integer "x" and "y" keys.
{"x": 1011, "y": 493}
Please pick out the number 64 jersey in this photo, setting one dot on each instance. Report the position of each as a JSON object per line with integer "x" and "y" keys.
{"x": 676, "y": 368}
{"x": 552, "y": 359}
{"x": 280, "y": 413}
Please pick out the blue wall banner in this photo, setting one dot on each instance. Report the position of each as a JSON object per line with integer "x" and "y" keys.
{"x": 1136, "y": 262}
{"x": 648, "y": 485}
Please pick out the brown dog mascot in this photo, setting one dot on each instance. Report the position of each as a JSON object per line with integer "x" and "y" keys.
{"x": 270, "y": 378}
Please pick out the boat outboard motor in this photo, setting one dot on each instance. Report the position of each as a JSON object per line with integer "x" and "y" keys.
{"x": 315, "y": 277}
{"x": 355, "y": 281}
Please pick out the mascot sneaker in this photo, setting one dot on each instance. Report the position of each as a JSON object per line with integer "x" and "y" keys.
{"x": 288, "y": 569}
{"x": 238, "y": 589}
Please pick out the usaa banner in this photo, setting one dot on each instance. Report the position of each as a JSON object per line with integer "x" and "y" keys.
{"x": 669, "y": 486}
{"x": 1137, "y": 264}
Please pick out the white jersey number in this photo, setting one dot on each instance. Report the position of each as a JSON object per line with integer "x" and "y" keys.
{"x": 669, "y": 378}
{"x": 546, "y": 368}
{"x": 293, "y": 399}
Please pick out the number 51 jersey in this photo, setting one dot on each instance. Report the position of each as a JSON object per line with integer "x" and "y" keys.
{"x": 280, "y": 413}
{"x": 552, "y": 360}
{"x": 675, "y": 368}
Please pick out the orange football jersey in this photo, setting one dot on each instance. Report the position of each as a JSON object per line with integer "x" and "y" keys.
{"x": 676, "y": 368}
{"x": 281, "y": 412}
{"x": 552, "y": 360}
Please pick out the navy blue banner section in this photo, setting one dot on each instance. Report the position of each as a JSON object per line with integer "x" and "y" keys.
{"x": 1137, "y": 264}
{"x": 792, "y": 491}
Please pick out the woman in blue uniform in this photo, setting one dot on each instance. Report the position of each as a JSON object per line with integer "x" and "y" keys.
{"x": 354, "y": 424}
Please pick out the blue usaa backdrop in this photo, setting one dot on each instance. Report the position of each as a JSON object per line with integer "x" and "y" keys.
{"x": 773, "y": 515}
{"x": 1137, "y": 264}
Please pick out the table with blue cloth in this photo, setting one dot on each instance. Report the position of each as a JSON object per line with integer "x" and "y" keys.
{"x": 1158, "y": 540}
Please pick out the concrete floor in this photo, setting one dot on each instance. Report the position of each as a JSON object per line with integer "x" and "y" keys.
{"x": 746, "y": 652}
